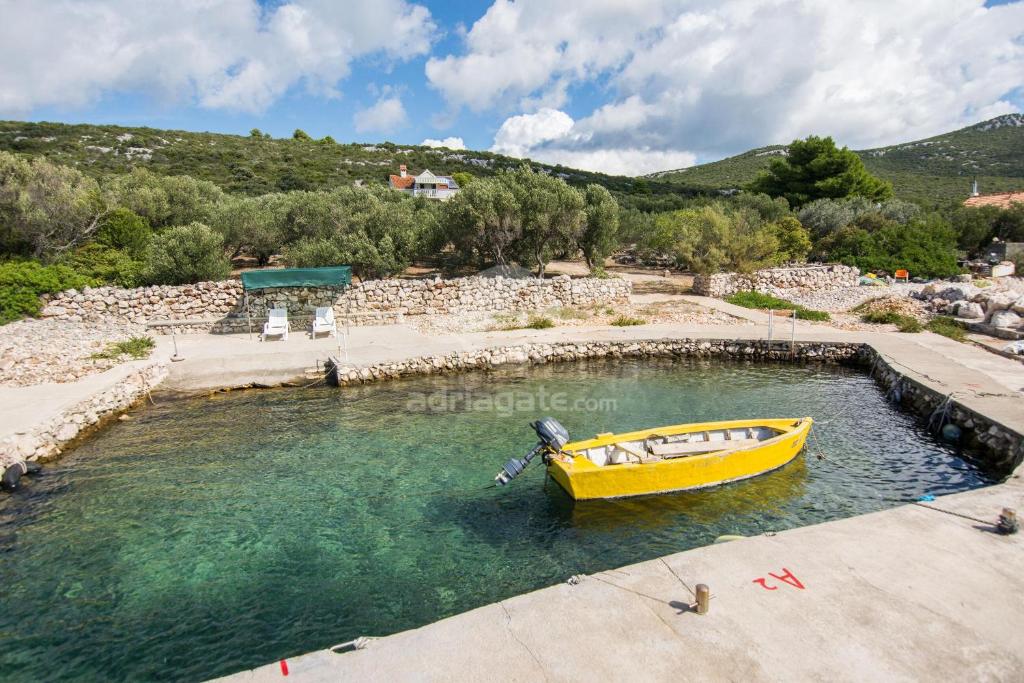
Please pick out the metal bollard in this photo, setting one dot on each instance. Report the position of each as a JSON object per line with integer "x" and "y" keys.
{"x": 1008, "y": 523}
{"x": 703, "y": 598}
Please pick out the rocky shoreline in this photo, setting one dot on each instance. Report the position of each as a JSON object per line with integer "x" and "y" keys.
{"x": 47, "y": 440}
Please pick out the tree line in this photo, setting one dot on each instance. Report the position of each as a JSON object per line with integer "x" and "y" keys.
{"x": 61, "y": 228}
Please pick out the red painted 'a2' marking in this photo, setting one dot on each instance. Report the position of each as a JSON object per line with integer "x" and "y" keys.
{"x": 788, "y": 577}
{"x": 785, "y": 577}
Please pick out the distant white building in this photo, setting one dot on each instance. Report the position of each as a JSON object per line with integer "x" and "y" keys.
{"x": 425, "y": 184}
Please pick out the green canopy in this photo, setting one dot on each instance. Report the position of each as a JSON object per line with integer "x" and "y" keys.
{"x": 336, "y": 276}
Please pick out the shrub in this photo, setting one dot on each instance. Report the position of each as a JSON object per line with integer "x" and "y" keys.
{"x": 126, "y": 230}
{"x": 904, "y": 323}
{"x": 947, "y": 327}
{"x": 136, "y": 347}
{"x": 924, "y": 246}
{"x": 186, "y": 254}
{"x": 758, "y": 300}
{"x": 106, "y": 265}
{"x": 540, "y": 323}
{"x": 23, "y": 282}
{"x": 793, "y": 238}
{"x": 313, "y": 253}
{"x": 627, "y": 321}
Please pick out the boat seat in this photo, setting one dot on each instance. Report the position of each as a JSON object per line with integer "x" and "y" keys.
{"x": 670, "y": 450}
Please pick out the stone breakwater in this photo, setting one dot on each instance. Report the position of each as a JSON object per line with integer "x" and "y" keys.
{"x": 778, "y": 280}
{"x": 999, "y": 445}
{"x": 47, "y": 440}
{"x": 221, "y": 306}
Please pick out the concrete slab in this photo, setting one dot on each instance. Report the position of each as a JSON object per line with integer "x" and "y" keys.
{"x": 906, "y": 594}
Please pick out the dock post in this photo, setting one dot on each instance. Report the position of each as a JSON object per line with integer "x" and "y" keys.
{"x": 703, "y": 598}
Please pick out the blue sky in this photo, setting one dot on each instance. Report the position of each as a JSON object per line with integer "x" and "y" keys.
{"x": 624, "y": 86}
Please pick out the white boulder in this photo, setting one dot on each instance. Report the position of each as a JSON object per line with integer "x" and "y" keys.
{"x": 969, "y": 309}
{"x": 1004, "y": 319}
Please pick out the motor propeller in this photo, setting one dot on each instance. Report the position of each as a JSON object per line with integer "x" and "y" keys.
{"x": 551, "y": 435}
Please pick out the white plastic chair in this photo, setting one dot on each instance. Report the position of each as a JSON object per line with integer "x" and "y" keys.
{"x": 277, "y": 324}
{"x": 324, "y": 321}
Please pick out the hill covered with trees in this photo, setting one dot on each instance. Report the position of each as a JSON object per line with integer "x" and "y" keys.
{"x": 259, "y": 164}
{"x": 932, "y": 172}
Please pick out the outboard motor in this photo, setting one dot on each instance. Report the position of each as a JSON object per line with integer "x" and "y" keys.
{"x": 552, "y": 436}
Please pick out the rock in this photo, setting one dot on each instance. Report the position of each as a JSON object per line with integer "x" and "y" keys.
{"x": 1004, "y": 319}
{"x": 970, "y": 310}
{"x": 1018, "y": 306}
{"x": 67, "y": 432}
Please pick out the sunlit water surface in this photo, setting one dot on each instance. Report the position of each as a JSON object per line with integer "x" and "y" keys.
{"x": 214, "y": 534}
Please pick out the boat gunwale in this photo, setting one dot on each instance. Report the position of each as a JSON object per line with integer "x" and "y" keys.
{"x": 789, "y": 426}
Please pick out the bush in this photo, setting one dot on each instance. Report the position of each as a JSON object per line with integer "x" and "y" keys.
{"x": 23, "y": 282}
{"x": 714, "y": 237}
{"x": 947, "y": 327}
{"x": 925, "y": 246}
{"x": 627, "y": 321}
{"x": 126, "y": 230}
{"x": 313, "y": 253}
{"x": 758, "y": 300}
{"x": 540, "y": 323}
{"x": 106, "y": 265}
{"x": 186, "y": 254}
{"x": 904, "y": 323}
{"x": 136, "y": 347}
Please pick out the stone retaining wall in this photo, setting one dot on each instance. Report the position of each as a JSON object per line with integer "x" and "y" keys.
{"x": 48, "y": 439}
{"x": 771, "y": 280}
{"x": 221, "y": 307}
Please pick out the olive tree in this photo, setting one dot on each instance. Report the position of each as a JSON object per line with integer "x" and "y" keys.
{"x": 601, "y": 225}
{"x": 551, "y": 211}
{"x": 483, "y": 223}
{"x": 46, "y": 209}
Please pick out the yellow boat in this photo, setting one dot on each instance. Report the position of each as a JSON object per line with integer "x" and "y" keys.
{"x": 663, "y": 459}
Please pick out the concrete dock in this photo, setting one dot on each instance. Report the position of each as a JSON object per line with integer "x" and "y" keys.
{"x": 911, "y": 593}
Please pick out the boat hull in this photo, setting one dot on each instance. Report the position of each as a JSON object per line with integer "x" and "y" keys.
{"x": 583, "y": 480}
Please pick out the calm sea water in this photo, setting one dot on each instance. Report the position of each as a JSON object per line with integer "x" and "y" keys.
{"x": 214, "y": 534}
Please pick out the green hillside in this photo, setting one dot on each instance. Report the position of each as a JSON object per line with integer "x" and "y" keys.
{"x": 257, "y": 165}
{"x": 932, "y": 171}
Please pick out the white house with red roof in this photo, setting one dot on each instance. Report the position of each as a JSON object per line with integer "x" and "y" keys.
{"x": 425, "y": 184}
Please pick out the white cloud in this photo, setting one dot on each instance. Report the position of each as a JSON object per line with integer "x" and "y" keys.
{"x": 716, "y": 77}
{"x": 232, "y": 55}
{"x": 384, "y": 116}
{"x": 520, "y": 134}
{"x": 553, "y": 137}
{"x": 450, "y": 143}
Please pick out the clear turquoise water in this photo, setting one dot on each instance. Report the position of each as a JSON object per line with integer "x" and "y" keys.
{"x": 210, "y": 535}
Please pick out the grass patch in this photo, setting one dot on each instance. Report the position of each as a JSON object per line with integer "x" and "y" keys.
{"x": 539, "y": 323}
{"x": 947, "y": 327}
{"x": 569, "y": 313}
{"x": 904, "y": 323}
{"x": 758, "y": 300}
{"x": 136, "y": 347}
{"x": 627, "y": 321}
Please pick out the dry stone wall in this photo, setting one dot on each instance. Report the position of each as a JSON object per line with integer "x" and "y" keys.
{"x": 773, "y": 280}
{"x": 221, "y": 306}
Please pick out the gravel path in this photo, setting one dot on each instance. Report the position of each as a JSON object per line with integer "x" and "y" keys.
{"x": 40, "y": 351}
{"x": 846, "y": 298}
